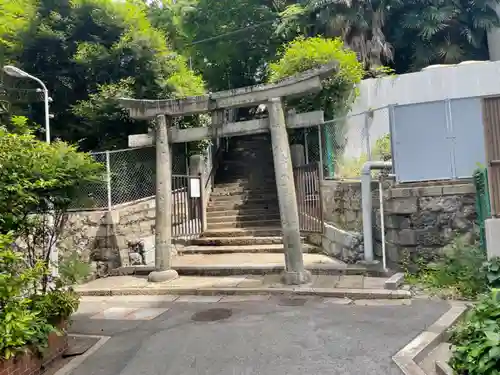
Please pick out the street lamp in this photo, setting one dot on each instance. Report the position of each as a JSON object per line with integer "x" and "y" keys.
{"x": 18, "y": 73}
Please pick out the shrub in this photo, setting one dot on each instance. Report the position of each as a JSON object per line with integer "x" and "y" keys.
{"x": 351, "y": 167}
{"x": 19, "y": 324}
{"x": 476, "y": 341}
{"x": 56, "y": 305}
{"x": 338, "y": 91}
{"x": 36, "y": 177}
{"x": 491, "y": 269}
{"x": 38, "y": 182}
{"x": 72, "y": 270}
{"x": 458, "y": 273}
{"x": 27, "y": 313}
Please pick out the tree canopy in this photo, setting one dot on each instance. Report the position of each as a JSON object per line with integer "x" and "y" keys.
{"x": 89, "y": 52}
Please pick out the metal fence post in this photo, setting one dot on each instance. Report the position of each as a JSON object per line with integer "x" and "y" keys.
{"x": 108, "y": 179}
{"x": 320, "y": 143}
{"x": 451, "y": 138}
{"x": 367, "y": 135}
{"x": 203, "y": 202}
{"x": 306, "y": 145}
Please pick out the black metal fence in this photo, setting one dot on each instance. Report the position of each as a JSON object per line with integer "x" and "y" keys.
{"x": 307, "y": 185}
{"x": 187, "y": 208}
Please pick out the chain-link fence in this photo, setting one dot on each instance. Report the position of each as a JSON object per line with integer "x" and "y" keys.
{"x": 130, "y": 175}
{"x": 343, "y": 146}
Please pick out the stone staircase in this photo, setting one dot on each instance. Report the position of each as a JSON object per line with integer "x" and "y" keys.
{"x": 241, "y": 252}
{"x": 243, "y": 208}
{"x": 244, "y": 199}
{"x": 243, "y": 219}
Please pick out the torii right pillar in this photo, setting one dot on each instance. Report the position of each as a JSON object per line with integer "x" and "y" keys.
{"x": 295, "y": 273}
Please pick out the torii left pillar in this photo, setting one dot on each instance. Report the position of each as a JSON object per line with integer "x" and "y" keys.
{"x": 163, "y": 221}
{"x": 295, "y": 273}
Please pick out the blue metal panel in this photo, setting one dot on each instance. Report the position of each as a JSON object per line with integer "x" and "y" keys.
{"x": 468, "y": 136}
{"x": 421, "y": 145}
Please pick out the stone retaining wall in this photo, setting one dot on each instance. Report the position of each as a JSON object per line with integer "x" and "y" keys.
{"x": 102, "y": 237}
{"x": 342, "y": 203}
{"x": 419, "y": 218}
{"x": 339, "y": 243}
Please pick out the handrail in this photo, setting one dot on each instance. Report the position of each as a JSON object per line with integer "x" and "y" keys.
{"x": 215, "y": 164}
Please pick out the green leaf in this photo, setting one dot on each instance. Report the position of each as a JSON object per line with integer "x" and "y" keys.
{"x": 494, "y": 337}
{"x": 494, "y": 352}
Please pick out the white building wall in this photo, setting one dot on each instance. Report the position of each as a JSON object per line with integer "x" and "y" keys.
{"x": 435, "y": 83}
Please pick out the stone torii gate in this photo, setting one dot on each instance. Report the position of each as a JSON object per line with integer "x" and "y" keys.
{"x": 164, "y": 134}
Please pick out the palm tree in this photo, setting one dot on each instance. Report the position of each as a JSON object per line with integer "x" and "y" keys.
{"x": 360, "y": 23}
{"x": 426, "y": 32}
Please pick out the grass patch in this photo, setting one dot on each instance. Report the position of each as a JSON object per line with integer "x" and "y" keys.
{"x": 460, "y": 273}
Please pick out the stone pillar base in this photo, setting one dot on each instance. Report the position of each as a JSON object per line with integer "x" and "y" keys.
{"x": 161, "y": 276}
{"x": 296, "y": 278}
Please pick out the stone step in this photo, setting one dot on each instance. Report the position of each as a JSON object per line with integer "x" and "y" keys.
{"x": 243, "y": 182}
{"x": 256, "y": 212}
{"x": 239, "y": 259}
{"x": 256, "y": 264}
{"x": 243, "y": 224}
{"x": 249, "y": 142}
{"x": 251, "y": 145}
{"x": 242, "y": 190}
{"x": 237, "y": 241}
{"x": 260, "y": 216}
{"x": 233, "y": 184}
{"x": 273, "y": 197}
{"x": 261, "y": 136}
{"x": 262, "y": 155}
{"x": 244, "y": 162}
{"x": 235, "y": 249}
{"x": 243, "y": 232}
{"x": 230, "y": 205}
{"x": 247, "y": 173}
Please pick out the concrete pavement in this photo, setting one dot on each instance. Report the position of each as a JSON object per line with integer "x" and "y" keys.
{"x": 351, "y": 286}
{"x": 156, "y": 335}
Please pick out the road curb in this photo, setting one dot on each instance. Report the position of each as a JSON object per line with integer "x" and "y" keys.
{"x": 320, "y": 292}
{"x": 395, "y": 281}
{"x": 442, "y": 368}
{"x": 408, "y": 357}
{"x": 77, "y": 361}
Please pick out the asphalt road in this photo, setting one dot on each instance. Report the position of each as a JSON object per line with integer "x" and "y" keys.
{"x": 259, "y": 338}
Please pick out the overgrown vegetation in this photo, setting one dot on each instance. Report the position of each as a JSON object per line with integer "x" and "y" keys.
{"x": 88, "y": 53}
{"x": 339, "y": 88}
{"x": 38, "y": 181}
{"x": 28, "y": 313}
{"x": 351, "y": 167}
{"x": 338, "y": 91}
{"x": 462, "y": 271}
{"x": 476, "y": 340}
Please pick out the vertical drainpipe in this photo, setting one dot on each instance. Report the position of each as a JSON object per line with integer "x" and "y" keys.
{"x": 366, "y": 201}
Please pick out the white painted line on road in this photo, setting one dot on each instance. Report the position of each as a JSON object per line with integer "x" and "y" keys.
{"x": 128, "y": 313}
